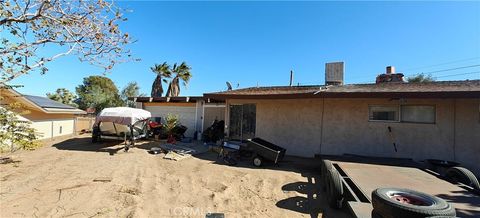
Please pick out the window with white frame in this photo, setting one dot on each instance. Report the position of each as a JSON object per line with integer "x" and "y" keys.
{"x": 418, "y": 113}
{"x": 383, "y": 113}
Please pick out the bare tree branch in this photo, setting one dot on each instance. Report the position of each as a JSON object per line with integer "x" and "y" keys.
{"x": 87, "y": 29}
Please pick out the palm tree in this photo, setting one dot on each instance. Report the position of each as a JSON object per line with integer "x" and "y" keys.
{"x": 182, "y": 72}
{"x": 161, "y": 70}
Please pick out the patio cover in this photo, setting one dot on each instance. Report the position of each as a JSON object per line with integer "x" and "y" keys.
{"x": 122, "y": 115}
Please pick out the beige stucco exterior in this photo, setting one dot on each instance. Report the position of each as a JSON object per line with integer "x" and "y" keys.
{"x": 197, "y": 116}
{"x": 335, "y": 126}
{"x": 47, "y": 125}
{"x": 36, "y": 115}
{"x": 211, "y": 114}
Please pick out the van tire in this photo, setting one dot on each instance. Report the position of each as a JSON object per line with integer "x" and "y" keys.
{"x": 463, "y": 175}
{"x": 387, "y": 206}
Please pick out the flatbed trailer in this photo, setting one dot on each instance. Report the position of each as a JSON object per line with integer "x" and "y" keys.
{"x": 362, "y": 175}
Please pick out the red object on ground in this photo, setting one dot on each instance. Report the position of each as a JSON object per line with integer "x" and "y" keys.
{"x": 171, "y": 139}
{"x": 154, "y": 124}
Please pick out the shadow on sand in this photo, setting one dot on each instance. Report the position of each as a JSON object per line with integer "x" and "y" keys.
{"x": 463, "y": 197}
{"x": 109, "y": 146}
{"x": 310, "y": 202}
{"x": 314, "y": 203}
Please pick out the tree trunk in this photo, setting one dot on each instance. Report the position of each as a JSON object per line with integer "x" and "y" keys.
{"x": 157, "y": 89}
{"x": 173, "y": 88}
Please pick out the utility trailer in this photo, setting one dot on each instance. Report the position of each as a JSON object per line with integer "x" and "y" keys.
{"x": 360, "y": 176}
{"x": 264, "y": 150}
{"x": 121, "y": 123}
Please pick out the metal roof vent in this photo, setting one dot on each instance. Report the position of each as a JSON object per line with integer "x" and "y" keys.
{"x": 334, "y": 73}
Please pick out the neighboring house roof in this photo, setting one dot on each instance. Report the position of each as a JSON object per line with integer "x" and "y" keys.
{"x": 443, "y": 89}
{"x": 41, "y": 103}
{"x": 47, "y": 103}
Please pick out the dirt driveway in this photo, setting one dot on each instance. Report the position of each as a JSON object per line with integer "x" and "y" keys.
{"x": 58, "y": 181}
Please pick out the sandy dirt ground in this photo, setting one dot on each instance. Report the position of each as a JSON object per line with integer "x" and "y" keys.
{"x": 58, "y": 181}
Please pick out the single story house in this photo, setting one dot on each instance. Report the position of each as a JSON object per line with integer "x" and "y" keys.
{"x": 438, "y": 120}
{"x": 193, "y": 111}
{"x": 50, "y": 119}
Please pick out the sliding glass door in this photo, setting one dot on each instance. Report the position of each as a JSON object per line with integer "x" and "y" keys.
{"x": 242, "y": 121}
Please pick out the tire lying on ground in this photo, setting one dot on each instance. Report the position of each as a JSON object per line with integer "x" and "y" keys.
{"x": 324, "y": 167}
{"x": 398, "y": 202}
{"x": 463, "y": 175}
{"x": 334, "y": 188}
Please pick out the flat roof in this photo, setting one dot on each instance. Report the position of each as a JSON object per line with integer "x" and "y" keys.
{"x": 440, "y": 89}
{"x": 192, "y": 99}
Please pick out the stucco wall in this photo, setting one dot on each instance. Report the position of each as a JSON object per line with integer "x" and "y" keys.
{"x": 294, "y": 125}
{"x": 185, "y": 112}
{"x": 198, "y": 116}
{"x": 43, "y": 129}
{"x": 63, "y": 127}
{"x": 467, "y": 133}
{"x": 297, "y": 126}
{"x": 47, "y": 129}
{"x": 212, "y": 113}
{"x": 348, "y": 130}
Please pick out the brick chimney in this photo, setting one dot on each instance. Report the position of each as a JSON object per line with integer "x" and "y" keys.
{"x": 389, "y": 76}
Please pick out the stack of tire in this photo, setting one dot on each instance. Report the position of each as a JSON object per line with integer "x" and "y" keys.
{"x": 331, "y": 184}
{"x": 399, "y": 203}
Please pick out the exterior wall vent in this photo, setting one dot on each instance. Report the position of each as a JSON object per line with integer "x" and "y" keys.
{"x": 334, "y": 73}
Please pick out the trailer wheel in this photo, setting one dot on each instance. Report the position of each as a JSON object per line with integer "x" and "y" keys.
{"x": 95, "y": 135}
{"x": 324, "y": 167}
{"x": 463, "y": 175}
{"x": 334, "y": 189}
{"x": 257, "y": 161}
{"x": 398, "y": 202}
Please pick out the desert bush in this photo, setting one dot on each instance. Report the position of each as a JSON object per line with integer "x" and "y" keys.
{"x": 173, "y": 127}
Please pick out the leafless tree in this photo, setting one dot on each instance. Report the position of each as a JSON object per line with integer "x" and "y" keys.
{"x": 35, "y": 32}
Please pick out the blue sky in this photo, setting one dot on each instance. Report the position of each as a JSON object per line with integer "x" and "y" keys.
{"x": 254, "y": 43}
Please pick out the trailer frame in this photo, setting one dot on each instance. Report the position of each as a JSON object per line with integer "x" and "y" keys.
{"x": 357, "y": 199}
